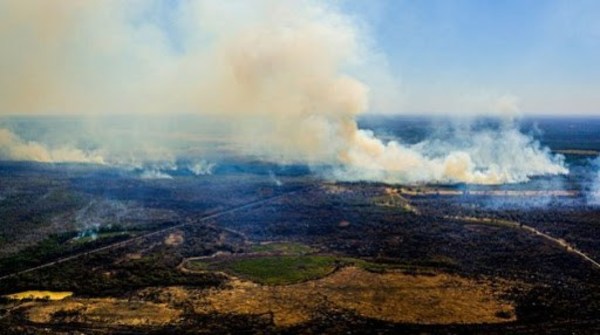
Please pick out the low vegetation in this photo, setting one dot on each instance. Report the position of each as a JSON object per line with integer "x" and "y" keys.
{"x": 283, "y": 263}
{"x": 277, "y": 270}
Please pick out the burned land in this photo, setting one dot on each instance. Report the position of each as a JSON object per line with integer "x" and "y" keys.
{"x": 102, "y": 250}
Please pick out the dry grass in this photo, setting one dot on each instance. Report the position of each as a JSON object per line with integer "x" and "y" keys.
{"x": 105, "y": 311}
{"x": 394, "y": 296}
{"x": 391, "y": 296}
{"x": 43, "y": 295}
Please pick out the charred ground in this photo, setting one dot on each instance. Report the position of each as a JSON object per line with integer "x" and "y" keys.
{"x": 122, "y": 243}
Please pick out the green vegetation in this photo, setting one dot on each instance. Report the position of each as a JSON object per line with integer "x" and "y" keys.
{"x": 53, "y": 246}
{"x": 289, "y": 263}
{"x": 282, "y": 247}
{"x": 281, "y": 270}
{"x": 283, "y": 263}
{"x": 285, "y": 269}
{"x": 59, "y": 245}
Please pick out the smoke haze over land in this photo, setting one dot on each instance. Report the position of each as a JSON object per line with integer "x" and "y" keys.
{"x": 289, "y": 78}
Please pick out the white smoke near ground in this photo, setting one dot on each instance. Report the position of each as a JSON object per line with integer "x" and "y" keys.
{"x": 158, "y": 170}
{"x": 13, "y": 147}
{"x": 155, "y": 174}
{"x": 201, "y": 168}
{"x": 99, "y": 214}
{"x": 274, "y": 178}
{"x": 485, "y": 157}
{"x": 285, "y": 74}
{"x": 593, "y": 194}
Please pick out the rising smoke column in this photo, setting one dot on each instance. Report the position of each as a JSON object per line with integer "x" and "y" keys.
{"x": 291, "y": 70}
{"x": 285, "y": 74}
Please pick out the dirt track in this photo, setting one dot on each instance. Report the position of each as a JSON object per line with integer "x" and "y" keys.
{"x": 516, "y": 225}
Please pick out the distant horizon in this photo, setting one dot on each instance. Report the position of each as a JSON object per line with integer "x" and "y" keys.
{"x": 368, "y": 114}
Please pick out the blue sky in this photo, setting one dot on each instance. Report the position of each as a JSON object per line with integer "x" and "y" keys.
{"x": 545, "y": 52}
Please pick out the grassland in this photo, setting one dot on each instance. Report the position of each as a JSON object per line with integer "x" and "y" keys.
{"x": 284, "y": 263}
{"x": 43, "y": 295}
{"x": 275, "y": 270}
{"x": 393, "y": 297}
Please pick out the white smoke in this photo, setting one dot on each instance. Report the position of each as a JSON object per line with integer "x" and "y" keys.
{"x": 274, "y": 178}
{"x": 482, "y": 157}
{"x": 285, "y": 74}
{"x": 593, "y": 194}
{"x": 155, "y": 174}
{"x": 202, "y": 168}
{"x": 13, "y": 147}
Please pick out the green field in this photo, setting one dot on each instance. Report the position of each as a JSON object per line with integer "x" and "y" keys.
{"x": 286, "y": 269}
{"x": 274, "y": 270}
{"x": 283, "y": 263}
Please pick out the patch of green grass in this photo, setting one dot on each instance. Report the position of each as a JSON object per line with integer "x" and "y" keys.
{"x": 274, "y": 270}
{"x": 282, "y": 247}
{"x": 281, "y": 270}
{"x": 287, "y": 269}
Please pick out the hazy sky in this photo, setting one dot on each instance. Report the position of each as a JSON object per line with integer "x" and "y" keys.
{"x": 436, "y": 56}
{"x": 449, "y": 53}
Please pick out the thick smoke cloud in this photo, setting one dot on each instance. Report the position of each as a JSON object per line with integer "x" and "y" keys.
{"x": 285, "y": 74}
{"x": 479, "y": 157}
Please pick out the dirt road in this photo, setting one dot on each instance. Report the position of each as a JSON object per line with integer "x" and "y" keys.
{"x": 516, "y": 225}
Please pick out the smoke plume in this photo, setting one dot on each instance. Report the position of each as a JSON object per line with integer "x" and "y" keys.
{"x": 14, "y": 148}
{"x": 286, "y": 75}
{"x": 593, "y": 194}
